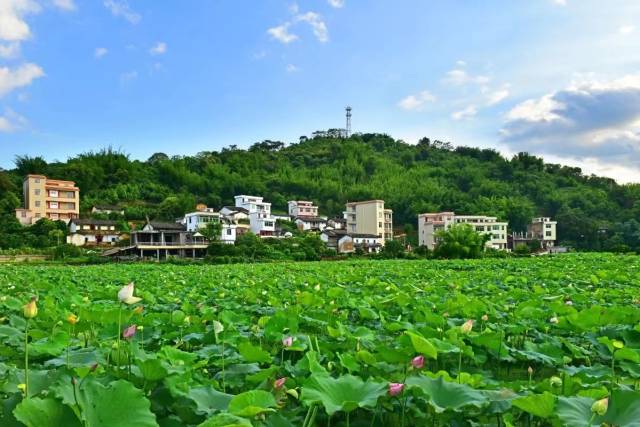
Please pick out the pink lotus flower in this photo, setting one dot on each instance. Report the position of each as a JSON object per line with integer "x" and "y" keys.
{"x": 287, "y": 341}
{"x": 129, "y": 332}
{"x": 395, "y": 389}
{"x": 418, "y": 362}
{"x": 277, "y": 384}
{"x": 466, "y": 326}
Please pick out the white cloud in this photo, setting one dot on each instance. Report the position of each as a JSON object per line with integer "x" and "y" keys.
{"x": 626, "y": 29}
{"x": 292, "y": 68}
{"x": 121, "y": 8}
{"x": 158, "y": 49}
{"x": 128, "y": 76}
{"x": 497, "y": 96}
{"x": 282, "y": 34}
{"x": 68, "y": 5}
{"x": 466, "y": 113}
{"x": 560, "y": 2}
{"x": 319, "y": 27}
{"x": 100, "y": 52}
{"x": 12, "y": 24}
{"x": 336, "y": 3}
{"x": 9, "y": 50}
{"x": 590, "y": 119}
{"x": 416, "y": 102}
{"x": 11, "y": 121}
{"x": 11, "y": 79}
{"x": 458, "y": 77}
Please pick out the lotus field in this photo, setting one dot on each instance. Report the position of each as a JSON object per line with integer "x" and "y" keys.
{"x": 549, "y": 341}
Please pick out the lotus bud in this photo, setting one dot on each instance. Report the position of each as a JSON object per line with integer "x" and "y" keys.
{"x": 125, "y": 295}
{"x": 445, "y": 314}
{"x": 287, "y": 341}
{"x": 568, "y": 302}
{"x": 418, "y": 362}
{"x": 485, "y": 317}
{"x": 530, "y": 370}
{"x": 618, "y": 344}
{"x": 22, "y": 387}
{"x": 555, "y": 381}
{"x": 129, "y": 332}
{"x": 554, "y": 320}
{"x": 30, "y": 309}
{"x": 277, "y": 384}
{"x": 600, "y": 406}
{"x": 94, "y": 367}
{"x": 72, "y": 319}
{"x": 395, "y": 389}
{"x": 73, "y": 381}
{"x": 140, "y": 328}
{"x": 466, "y": 327}
{"x": 85, "y": 299}
{"x": 138, "y": 310}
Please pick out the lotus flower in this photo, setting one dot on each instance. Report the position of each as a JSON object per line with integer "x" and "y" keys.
{"x": 129, "y": 332}
{"x": 30, "y": 309}
{"x": 395, "y": 389}
{"x": 569, "y": 302}
{"x": 466, "y": 327}
{"x": 125, "y": 295}
{"x": 287, "y": 341}
{"x": 600, "y": 406}
{"x": 553, "y": 320}
{"x": 277, "y": 384}
{"x": 72, "y": 319}
{"x": 418, "y": 362}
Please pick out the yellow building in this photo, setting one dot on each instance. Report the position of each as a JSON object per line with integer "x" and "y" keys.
{"x": 48, "y": 198}
{"x": 369, "y": 217}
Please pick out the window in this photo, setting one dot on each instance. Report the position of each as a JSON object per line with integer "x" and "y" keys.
{"x": 37, "y": 203}
{"x": 38, "y": 215}
{"x": 53, "y": 193}
{"x": 228, "y": 232}
{"x": 379, "y": 225}
{"x": 37, "y": 180}
{"x": 548, "y": 225}
{"x": 36, "y": 191}
{"x": 479, "y": 228}
{"x": 548, "y": 234}
{"x": 24, "y": 214}
{"x": 53, "y": 205}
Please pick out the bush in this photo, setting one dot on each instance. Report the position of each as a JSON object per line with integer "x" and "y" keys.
{"x": 461, "y": 241}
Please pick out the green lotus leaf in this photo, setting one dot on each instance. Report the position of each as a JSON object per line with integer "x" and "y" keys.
{"x": 443, "y": 395}
{"x": 48, "y": 412}
{"x": 251, "y": 403}
{"x": 423, "y": 345}
{"x": 345, "y": 393}
{"x": 252, "y": 353}
{"x": 540, "y": 405}
{"x": 226, "y": 420}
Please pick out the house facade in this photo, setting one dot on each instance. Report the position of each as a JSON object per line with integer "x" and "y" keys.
{"x": 302, "y": 208}
{"x": 92, "y": 232}
{"x": 369, "y": 217}
{"x": 429, "y": 224}
{"x": 344, "y": 242}
{"x": 542, "y": 229}
{"x": 261, "y": 222}
{"x": 48, "y": 198}
{"x": 197, "y": 221}
{"x": 311, "y": 223}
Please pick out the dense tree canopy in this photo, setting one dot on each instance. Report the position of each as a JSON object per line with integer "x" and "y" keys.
{"x": 593, "y": 212}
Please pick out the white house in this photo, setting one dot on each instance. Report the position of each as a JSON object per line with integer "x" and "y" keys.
{"x": 199, "y": 220}
{"x": 300, "y": 208}
{"x": 86, "y": 232}
{"x": 261, "y": 221}
{"x": 344, "y": 242}
{"x": 430, "y": 223}
{"x": 311, "y": 223}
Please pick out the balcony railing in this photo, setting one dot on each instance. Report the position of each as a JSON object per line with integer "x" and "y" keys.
{"x": 170, "y": 243}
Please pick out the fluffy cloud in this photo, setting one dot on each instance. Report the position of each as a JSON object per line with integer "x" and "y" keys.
{"x": 589, "y": 119}
{"x": 11, "y": 79}
{"x": 496, "y": 96}
{"x": 122, "y": 9}
{"x": 282, "y": 34}
{"x": 459, "y": 77}
{"x": 158, "y": 49}
{"x": 68, "y": 5}
{"x": 317, "y": 24}
{"x": 100, "y": 52}
{"x": 560, "y": 2}
{"x": 11, "y": 122}
{"x": 416, "y": 102}
{"x": 9, "y": 50}
{"x": 465, "y": 113}
{"x": 626, "y": 29}
{"x": 336, "y": 3}
{"x": 12, "y": 24}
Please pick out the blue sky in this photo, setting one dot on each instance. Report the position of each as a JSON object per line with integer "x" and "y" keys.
{"x": 558, "y": 78}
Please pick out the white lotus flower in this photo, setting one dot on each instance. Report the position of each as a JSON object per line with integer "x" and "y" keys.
{"x": 125, "y": 295}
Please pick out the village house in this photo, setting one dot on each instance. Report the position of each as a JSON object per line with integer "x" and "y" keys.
{"x": 429, "y": 224}
{"x": 107, "y": 210}
{"x": 311, "y": 223}
{"x": 261, "y": 222}
{"x": 541, "y": 229}
{"x": 88, "y": 232}
{"x": 196, "y": 221}
{"x": 344, "y": 242}
{"x": 369, "y": 217}
{"x": 48, "y": 198}
{"x": 301, "y": 208}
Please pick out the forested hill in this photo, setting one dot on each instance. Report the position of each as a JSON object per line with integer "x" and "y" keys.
{"x": 592, "y": 212}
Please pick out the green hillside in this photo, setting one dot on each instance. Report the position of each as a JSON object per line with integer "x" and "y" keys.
{"x": 593, "y": 212}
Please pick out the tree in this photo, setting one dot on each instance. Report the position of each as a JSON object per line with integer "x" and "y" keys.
{"x": 393, "y": 249}
{"x": 460, "y": 241}
{"x": 213, "y": 231}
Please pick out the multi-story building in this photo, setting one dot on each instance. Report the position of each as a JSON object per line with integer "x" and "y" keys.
{"x": 542, "y": 229}
{"x": 86, "y": 232}
{"x": 369, "y": 217}
{"x": 430, "y": 223}
{"x": 261, "y": 221}
{"x": 301, "y": 208}
{"x": 195, "y": 221}
{"x": 48, "y": 198}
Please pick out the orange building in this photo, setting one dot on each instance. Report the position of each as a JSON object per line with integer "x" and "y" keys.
{"x": 48, "y": 198}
